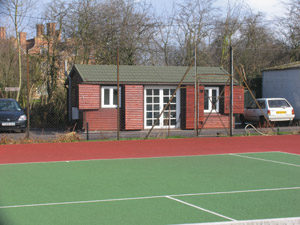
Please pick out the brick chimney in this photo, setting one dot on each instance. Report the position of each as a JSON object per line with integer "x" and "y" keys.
{"x": 39, "y": 30}
{"x": 22, "y": 39}
{"x": 2, "y": 33}
{"x": 51, "y": 29}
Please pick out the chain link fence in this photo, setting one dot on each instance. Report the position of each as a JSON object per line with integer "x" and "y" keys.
{"x": 50, "y": 122}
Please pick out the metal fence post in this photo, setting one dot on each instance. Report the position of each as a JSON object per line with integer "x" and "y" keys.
{"x": 28, "y": 98}
{"x": 231, "y": 91}
{"x": 87, "y": 131}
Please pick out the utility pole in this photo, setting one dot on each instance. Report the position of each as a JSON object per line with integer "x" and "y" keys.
{"x": 28, "y": 97}
{"x": 231, "y": 91}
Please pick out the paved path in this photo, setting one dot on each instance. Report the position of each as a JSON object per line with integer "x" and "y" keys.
{"x": 47, "y": 134}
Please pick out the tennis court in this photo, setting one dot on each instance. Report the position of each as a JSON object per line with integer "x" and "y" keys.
{"x": 155, "y": 190}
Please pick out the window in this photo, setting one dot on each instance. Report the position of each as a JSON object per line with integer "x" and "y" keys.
{"x": 253, "y": 105}
{"x": 278, "y": 104}
{"x": 211, "y": 99}
{"x": 109, "y": 97}
{"x": 262, "y": 104}
{"x": 9, "y": 105}
{"x": 156, "y": 98}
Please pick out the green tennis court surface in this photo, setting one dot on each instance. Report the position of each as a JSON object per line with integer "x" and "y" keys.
{"x": 170, "y": 190}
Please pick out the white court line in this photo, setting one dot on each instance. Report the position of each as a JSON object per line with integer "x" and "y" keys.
{"x": 265, "y": 160}
{"x": 274, "y": 221}
{"x": 147, "y": 197}
{"x": 289, "y": 153}
{"x": 200, "y": 208}
{"x": 237, "y": 192}
{"x": 79, "y": 202}
{"x": 112, "y": 159}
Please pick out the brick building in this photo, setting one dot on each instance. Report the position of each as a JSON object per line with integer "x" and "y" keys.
{"x": 41, "y": 45}
{"x": 144, "y": 91}
{"x": 40, "y": 42}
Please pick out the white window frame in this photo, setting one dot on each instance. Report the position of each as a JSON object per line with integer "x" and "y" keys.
{"x": 160, "y": 126}
{"x": 210, "y": 89}
{"x": 111, "y": 96}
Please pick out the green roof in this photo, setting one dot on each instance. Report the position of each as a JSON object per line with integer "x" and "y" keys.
{"x": 293, "y": 65}
{"x": 149, "y": 74}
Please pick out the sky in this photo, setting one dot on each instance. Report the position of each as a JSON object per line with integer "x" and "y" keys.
{"x": 270, "y": 8}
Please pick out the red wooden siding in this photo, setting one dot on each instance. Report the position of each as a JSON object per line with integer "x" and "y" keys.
{"x": 134, "y": 107}
{"x": 217, "y": 121}
{"x": 88, "y": 96}
{"x": 213, "y": 121}
{"x": 238, "y": 99}
{"x": 190, "y": 106}
{"x": 102, "y": 119}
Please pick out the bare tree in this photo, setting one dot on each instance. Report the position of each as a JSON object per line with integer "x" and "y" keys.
{"x": 164, "y": 37}
{"x": 290, "y": 29}
{"x": 255, "y": 43}
{"x": 194, "y": 25}
{"x": 56, "y": 11}
{"x": 224, "y": 32}
{"x": 80, "y": 30}
{"x": 95, "y": 30}
{"x": 8, "y": 66}
{"x": 256, "y": 49}
{"x": 129, "y": 26}
{"x": 17, "y": 11}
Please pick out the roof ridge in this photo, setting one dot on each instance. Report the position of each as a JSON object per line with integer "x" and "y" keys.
{"x": 149, "y": 66}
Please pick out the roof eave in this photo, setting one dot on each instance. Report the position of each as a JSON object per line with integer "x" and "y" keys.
{"x": 152, "y": 83}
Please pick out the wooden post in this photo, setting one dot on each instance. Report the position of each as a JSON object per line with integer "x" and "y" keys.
{"x": 118, "y": 91}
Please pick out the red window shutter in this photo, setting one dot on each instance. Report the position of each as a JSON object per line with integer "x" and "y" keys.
{"x": 89, "y": 96}
{"x": 190, "y": 106}
{"x": 134, "y": 107}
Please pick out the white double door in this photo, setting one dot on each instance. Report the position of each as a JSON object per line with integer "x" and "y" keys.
{"x": 156, "y": 98}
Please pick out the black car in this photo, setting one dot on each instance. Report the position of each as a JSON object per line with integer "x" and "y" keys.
{"x": 12, "y": 116}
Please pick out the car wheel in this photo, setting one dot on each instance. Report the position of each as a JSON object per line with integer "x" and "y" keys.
{"x": 262, "y": 121}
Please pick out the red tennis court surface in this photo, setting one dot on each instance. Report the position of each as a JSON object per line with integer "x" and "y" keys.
{"x": 49, "y": 152}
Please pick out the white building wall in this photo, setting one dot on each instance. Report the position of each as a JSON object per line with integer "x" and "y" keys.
{"x": 283, "y": 84}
